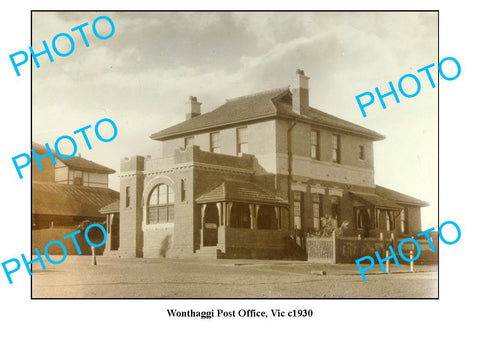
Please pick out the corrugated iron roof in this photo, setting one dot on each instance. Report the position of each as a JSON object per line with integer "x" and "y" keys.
{"x": 375, "y": 200}
{"x": 76, "y": 163}
{"x": 399, "y": 197}
{"x": 272, "y": 103}
{"x": 239, "y": 191}
{"x": 113, "y": 207}
{"x": 70, "y": 200}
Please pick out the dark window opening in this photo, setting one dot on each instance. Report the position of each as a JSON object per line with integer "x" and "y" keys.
{"x": 127, "y": 197}
{"x": 240, "y": 216}
{"x": 183, "y": 190}
{"x": 361, "y": 152}
{"x": 266, "y": 218}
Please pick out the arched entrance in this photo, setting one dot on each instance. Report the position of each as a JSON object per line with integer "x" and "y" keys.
{"x": 210, "y": 225}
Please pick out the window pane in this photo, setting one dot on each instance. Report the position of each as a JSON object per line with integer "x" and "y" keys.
{"x": 334, "y": 141}
{"x": 215, "y": 139}
{"x": 242, "y": 135}
{"x": 314, "y": 136}
{"x": 244, "y": 148}
{"x": 152, "y": 214}
{"x": 162, "y": 214}
{"x": 153, "y": 197}
{"x": 297, "y": 208}
{"x": 162, "y": 194}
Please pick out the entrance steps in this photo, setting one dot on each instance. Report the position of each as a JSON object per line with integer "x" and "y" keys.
{"x": 207, "y": 252}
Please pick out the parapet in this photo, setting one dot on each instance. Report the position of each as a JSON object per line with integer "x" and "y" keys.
{"x": 133, "y": 163}
{"x": 194, "y": 154}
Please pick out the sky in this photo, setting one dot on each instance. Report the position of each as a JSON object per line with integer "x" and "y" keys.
{"x": 143, "y": 75}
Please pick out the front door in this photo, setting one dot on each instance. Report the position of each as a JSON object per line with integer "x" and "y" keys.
{"x": 210, "y": 234}
{"x": 210, "y": 226}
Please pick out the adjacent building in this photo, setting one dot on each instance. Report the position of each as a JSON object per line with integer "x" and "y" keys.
{"x": 252, "y": 177}
{"x": 66, "y": 194}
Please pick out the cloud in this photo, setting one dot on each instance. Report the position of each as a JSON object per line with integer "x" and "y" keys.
{"x": 143, "y": 76}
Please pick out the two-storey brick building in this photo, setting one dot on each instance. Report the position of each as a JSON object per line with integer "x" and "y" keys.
{"x": 245, "y": 178}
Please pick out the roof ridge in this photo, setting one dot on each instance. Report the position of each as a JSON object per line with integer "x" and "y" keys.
{"x": 283, "y": 88}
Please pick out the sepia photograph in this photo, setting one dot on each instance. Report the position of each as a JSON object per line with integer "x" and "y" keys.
{"x": 235, "y": 155}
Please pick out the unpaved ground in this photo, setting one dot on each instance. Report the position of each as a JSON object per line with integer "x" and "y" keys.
{"x": 195, "y": 278}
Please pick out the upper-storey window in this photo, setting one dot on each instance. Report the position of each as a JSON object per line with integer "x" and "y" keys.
{"x": 242, "y": 140}
{"x": 315, "y": 144}
{"x": 336, "y": 148}
{"x": 361, "y": 152}
{"x": 215, "y": 142}
{"x": 188, "y": 141}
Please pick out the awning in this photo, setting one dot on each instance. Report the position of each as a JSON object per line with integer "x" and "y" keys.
{"x": 375, "y": 200}
{"x": 240, "y": 191}
{"x": 111, "y": 208}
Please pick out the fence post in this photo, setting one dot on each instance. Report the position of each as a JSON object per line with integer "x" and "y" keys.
{"x": 411, "y": 262}
{"x": 334, "y": 246}
{"x": 388, "y": 263}
{"x": 94, "y": 259}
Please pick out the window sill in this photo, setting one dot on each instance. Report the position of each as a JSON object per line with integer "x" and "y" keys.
{"x": 158, "y": 226}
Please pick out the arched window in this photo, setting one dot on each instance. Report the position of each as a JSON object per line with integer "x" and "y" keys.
{"x": 160, "y": 204}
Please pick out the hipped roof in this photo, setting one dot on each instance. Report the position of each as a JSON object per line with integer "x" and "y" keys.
{"x": 239, "y": 191}
{"x": 76, "y": 162}
{"x": 268, "y": 104}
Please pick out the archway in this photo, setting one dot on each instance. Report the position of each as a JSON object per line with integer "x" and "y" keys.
{"x": 210, "y": 225}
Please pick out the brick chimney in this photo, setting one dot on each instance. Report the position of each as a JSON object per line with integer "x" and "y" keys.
{"x": 194, "y": 108}
{"x": 300, "y": 102}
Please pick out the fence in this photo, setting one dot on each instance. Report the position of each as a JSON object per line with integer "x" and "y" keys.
{"x": 320, "y": 249}
{"x": 344, "y": 249}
